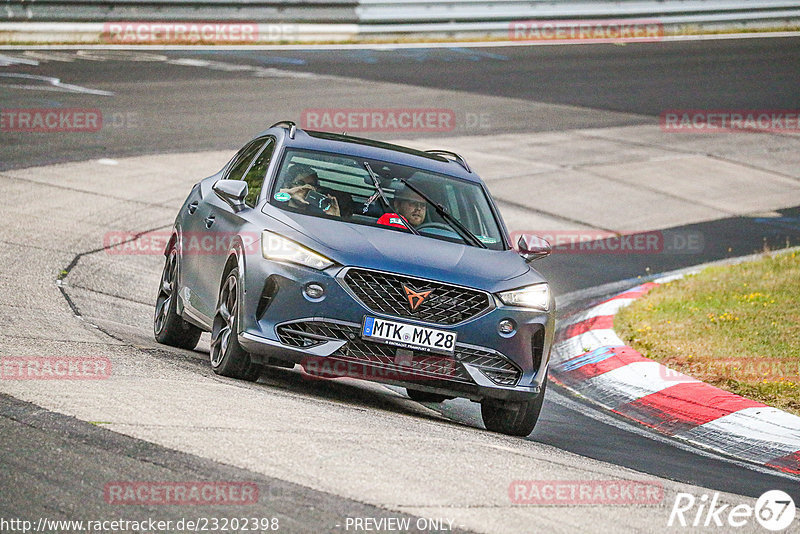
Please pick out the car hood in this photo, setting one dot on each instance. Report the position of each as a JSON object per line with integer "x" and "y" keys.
{"x": 396, "y": 251}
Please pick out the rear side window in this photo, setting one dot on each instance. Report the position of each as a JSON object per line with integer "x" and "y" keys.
{"x": 243, "y": 159}
{"x": 257, "y": 172}
{"x": 251, "y": 166}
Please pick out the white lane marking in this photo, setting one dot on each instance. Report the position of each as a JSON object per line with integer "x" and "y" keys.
{"x": 629, "y": 383}
{"x": 6, "y": 61}
{"x": 259, "y": 72}
{"x": 107, "y": 161}
{"x": 262, "y": 72}
{"x": 48, "y": 83}
{"x": 102, "y": 54}
{"x": 758, "y": 434}
{"x": 215, "y": 65}
{"x": 392, "y": 46}
{"x": 586, "y": 342}
{"x": 45, "y": 56}
{"x": 606, "y": 308}
{"x": 120, "y": 55}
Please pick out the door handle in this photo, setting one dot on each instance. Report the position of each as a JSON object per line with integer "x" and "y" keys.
{"x": 192, "y": 207}
{"x": 209, "y": 221}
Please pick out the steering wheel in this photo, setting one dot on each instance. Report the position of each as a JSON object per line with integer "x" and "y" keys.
{"x": 444, "y": 230}
{"x": 437, "y": 225}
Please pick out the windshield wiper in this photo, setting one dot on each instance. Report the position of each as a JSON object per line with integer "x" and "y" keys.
{"x": 386, "y": 203}
{"x": 457, "y": 225}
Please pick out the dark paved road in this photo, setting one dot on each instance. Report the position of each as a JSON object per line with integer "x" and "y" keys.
{"x": 159, "y": 107}
{"x": 642, "y": 78}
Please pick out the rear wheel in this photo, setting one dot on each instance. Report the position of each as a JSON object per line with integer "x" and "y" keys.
{"x": 424, "y": 396}
{"x": 169, "y": 327}
{"x": 228, "y": 358}
{"x": 512, "y": 417}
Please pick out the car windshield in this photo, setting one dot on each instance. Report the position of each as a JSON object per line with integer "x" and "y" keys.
{"x": 339, "y": 187}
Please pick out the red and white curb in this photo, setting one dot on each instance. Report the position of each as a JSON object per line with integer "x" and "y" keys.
{"x": 591, "y": 360}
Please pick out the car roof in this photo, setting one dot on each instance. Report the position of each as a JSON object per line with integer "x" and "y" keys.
{"x": 370, "y": 148}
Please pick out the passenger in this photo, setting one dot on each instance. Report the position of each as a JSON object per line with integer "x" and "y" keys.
{"x": 302, "y": 179}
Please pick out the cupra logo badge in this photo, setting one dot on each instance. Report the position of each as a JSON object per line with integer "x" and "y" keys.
{"x": 415, "y": 298}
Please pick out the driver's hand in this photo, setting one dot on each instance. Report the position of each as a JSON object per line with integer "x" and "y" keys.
{"x": 299, "y": 193}
{"x": 334, "y": 209}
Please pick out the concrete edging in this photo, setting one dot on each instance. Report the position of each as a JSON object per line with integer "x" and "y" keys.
{"x": 591, "y": 360}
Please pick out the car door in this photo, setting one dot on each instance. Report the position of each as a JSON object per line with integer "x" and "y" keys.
{"x": 198, "y": 232}
{"x": 223, "y": 223}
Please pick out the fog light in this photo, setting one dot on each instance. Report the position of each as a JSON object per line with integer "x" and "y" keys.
{"x": 314, "y": 291}
{"x": 506, "y": 326}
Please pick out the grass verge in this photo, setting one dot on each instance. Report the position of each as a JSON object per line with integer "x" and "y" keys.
{"x": 736, "y": 327}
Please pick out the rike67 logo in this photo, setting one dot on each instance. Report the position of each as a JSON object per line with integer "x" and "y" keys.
{"x": 774, "y": 510}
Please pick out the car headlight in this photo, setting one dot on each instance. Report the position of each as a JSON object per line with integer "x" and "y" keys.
{"x": 276, "y": 247}
{"x": 536, "y": 296}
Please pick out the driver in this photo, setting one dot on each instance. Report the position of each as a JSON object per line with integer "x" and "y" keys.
{"x": 410, "y": 205}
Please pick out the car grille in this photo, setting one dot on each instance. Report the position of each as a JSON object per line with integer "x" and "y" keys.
{"x": 496, "y": 368}
{"x": 305, "y": 334}
{"x": 310, "y": 333}
{"x": 446, "y": 304}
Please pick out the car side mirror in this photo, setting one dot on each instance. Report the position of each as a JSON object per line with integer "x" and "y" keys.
{"x": 533, "y": 247}
{"x": 232, "y": 191}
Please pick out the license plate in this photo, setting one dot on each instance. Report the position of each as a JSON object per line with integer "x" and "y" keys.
{"x": 408, "y": 336}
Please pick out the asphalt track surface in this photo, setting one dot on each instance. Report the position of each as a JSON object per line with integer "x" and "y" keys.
{"x": 206, "y": 108}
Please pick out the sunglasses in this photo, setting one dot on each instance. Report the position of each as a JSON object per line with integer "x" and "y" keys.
{"x": 415, "y": 204}
{"x": 299, "y": 183}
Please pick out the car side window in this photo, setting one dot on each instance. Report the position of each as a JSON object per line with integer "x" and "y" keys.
{"x": 243, "y": 160}
{"x": 257, "y": 172}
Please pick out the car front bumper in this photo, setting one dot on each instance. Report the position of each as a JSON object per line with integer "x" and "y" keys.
{"x": 280, "y": 321}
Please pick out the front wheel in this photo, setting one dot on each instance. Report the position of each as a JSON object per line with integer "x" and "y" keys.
{"x": 512, "y": 417}
{"x": 169, "y": 328}
{"x": 228, "y": 358}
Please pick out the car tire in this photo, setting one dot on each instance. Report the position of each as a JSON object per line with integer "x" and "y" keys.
{"x": 169, "y": 328}
{"x": 424, "y": 396}
{"x": 512, "y": 417}
{"x": 228, "y": 358}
